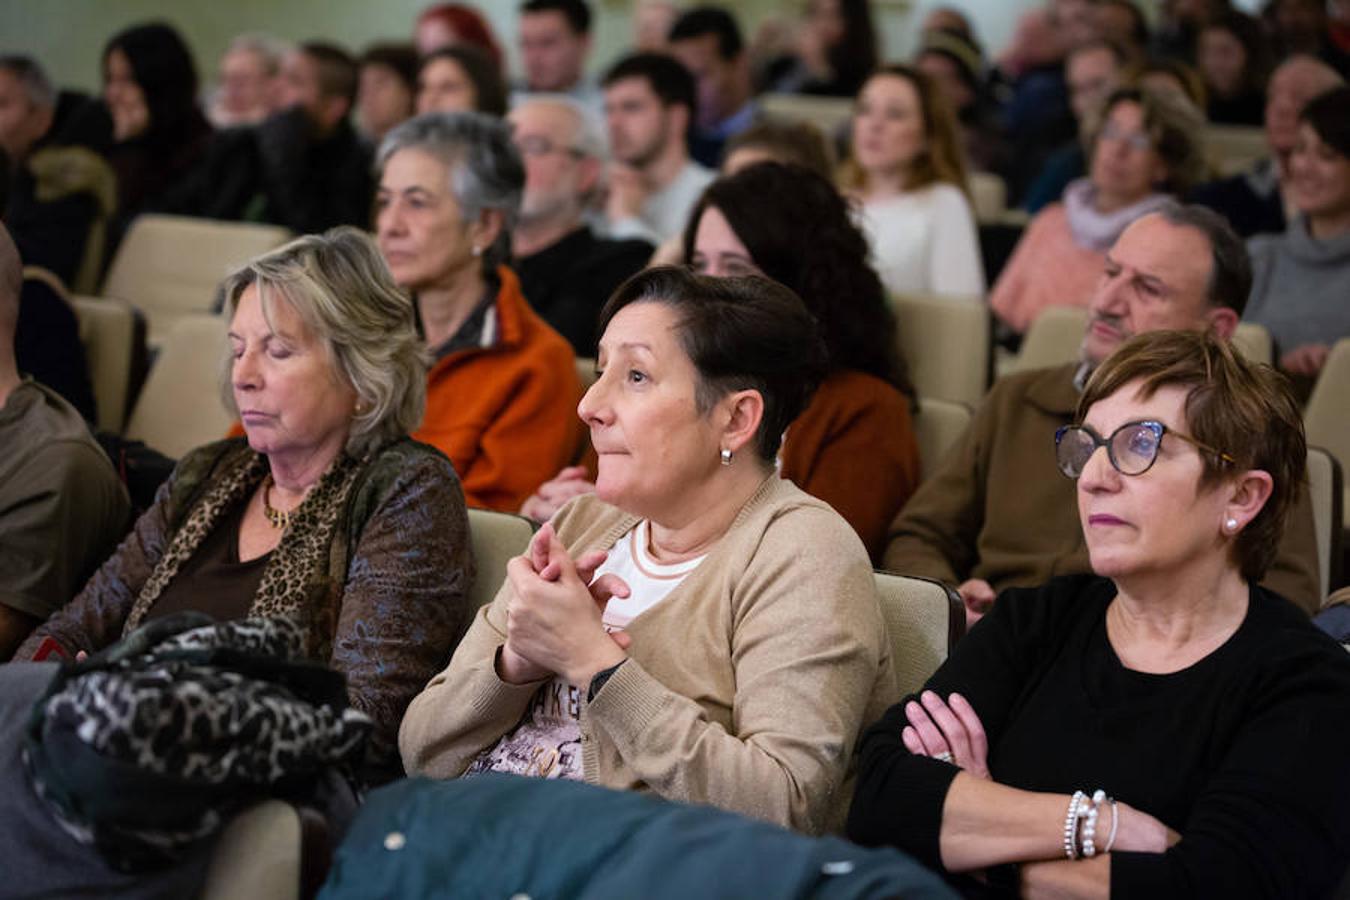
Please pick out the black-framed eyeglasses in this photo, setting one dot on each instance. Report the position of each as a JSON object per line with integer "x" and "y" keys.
{"x": 1132, "y": 448}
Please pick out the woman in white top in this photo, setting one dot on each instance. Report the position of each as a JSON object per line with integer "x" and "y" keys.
{"x": 908, "y": 175}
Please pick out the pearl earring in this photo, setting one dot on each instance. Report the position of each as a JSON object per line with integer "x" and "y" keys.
{"x": 477, "y": 251}
{"x": 1230, "y": 523}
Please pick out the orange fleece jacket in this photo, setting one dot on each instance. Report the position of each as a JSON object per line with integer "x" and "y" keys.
{"x": 506, "y": 415}
{"x": 854, "y": 447}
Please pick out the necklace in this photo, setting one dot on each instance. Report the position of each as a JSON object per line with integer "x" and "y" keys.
{"x": 277, "y": 518}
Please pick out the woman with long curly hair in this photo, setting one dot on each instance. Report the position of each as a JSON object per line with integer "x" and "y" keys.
{"x": 749, "y": 224}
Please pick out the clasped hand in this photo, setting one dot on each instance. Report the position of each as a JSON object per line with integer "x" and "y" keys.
{"x": 947, "y": 729}
{"x": 553, "y": 615}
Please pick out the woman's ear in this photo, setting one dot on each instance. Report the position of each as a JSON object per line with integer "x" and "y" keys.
{"x": 486, "y": 229}
{"x": 744, "y": 413}
{"x": 1248, "y": 496}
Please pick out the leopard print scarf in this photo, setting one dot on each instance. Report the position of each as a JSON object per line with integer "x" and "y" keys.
{"x": 302, "y": 551}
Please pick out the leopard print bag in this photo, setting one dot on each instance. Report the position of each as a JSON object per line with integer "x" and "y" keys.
{"x": 147, "y": 747}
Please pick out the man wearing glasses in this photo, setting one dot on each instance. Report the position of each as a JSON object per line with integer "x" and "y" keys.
{"x": 998, "y": 513}
{"x": 566, "y": 272}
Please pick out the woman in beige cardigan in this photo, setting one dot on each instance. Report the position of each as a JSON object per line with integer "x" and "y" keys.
{"x": 698, "y": 627}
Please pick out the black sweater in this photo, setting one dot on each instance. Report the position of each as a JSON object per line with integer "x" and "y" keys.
{"x": 1246, "y": 753}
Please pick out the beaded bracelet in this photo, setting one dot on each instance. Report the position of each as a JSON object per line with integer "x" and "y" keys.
{"x": 1115, "y": 823}
{"x": 1090, "y": 824}
{"x": 1076, "y": 811}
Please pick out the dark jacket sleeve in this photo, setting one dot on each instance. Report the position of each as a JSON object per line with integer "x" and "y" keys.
{"x": 899, "y": 796}
{"x": 404, "y": 603}
{"x": 94, "y": 619}
{"x": 937, "y": 531}
{"x": 1273, "y": 819}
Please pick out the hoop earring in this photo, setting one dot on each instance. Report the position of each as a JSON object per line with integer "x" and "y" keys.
{"x": 726, "y": 456}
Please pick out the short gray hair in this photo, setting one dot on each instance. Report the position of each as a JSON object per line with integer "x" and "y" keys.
{"x": 586, "y": 138}
{"x": 37, "y": 87}
{"x": 270, "y": 50}
{"x": 486, "y": 171}
{"x": 338, "y": 284}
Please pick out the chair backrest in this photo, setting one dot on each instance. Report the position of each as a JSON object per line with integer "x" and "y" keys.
{"x": 179, "y": 407}
{"x": 828, "y": 113}
{"x": 1254, "y": 342}
{"x": 496, "y": 538}
{"x": 1326, "y": 490}
{"x": 946, "y": 343}
{"x": 1053, "y": 339}
{"x": 258, "y": 856}
{"x": 1234, "y": 148}
{"x": 1057, "y": 334}
{"x": 108, "y": 333}
{"x": 924, "y": 620}
{"x": 1327, "y": 415}
{"x": 586, "y": 371}
{"x": 937, "y": 427}
{"x": 169, "y": 266}
{"x": 989, "y": 196}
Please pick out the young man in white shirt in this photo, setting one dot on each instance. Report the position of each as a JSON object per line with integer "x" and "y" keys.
{"x": 650, "y": 104}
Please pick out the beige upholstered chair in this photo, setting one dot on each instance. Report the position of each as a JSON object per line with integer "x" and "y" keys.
{"x": 257, "y": 856}
{"x": 937, "y": 427}
{"x": 180, "y": 406}
{"x": 1327, "y": 416}
{"x": 170, "y": 266}
{"x": 1235, "y": 148}
{"x": 586, "y": 371}
{"x": 1325, "y": 488}
{"x": 1053, "y": 339}
{"x": 946, "y": 343}
{"x": 827, "y": 113}
{"x": 1254, "y": 342}
{"x": 924, "y": 619}
{"x": 989, "y": 196}
{"x": 108, "y": 333}
{"x": 496, "y": 538}
{"x": 1057, "y": 334}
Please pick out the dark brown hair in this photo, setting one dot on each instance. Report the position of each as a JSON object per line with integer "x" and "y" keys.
{"x": 1243, "y": 409}
{"x": 741, "y": 334}
{"x": 1175, "y": 128}
{"x": 1329, "y": 115}
{"x": 825, "y": 265}
{"x": 942, "y": 158}
{"x": 787, "y": 141}
{"x": 489, "y": 90}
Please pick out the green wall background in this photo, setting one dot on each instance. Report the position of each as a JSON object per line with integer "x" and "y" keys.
{"x": 67, "y": 36}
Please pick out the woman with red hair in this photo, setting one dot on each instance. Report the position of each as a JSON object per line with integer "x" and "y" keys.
{"x": 455, "y": 23}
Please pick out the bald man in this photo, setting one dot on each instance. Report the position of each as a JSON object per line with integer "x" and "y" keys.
{"x": 1252, "y": 201}
{"x": 62, "y": 507}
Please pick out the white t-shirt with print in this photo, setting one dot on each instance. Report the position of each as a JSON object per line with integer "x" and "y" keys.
{"x": 547, "y": 741}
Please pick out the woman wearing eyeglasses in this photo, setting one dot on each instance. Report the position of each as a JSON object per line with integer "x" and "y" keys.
{"x": 1165, "y": 728}
{"x": 1145, "y": 150}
